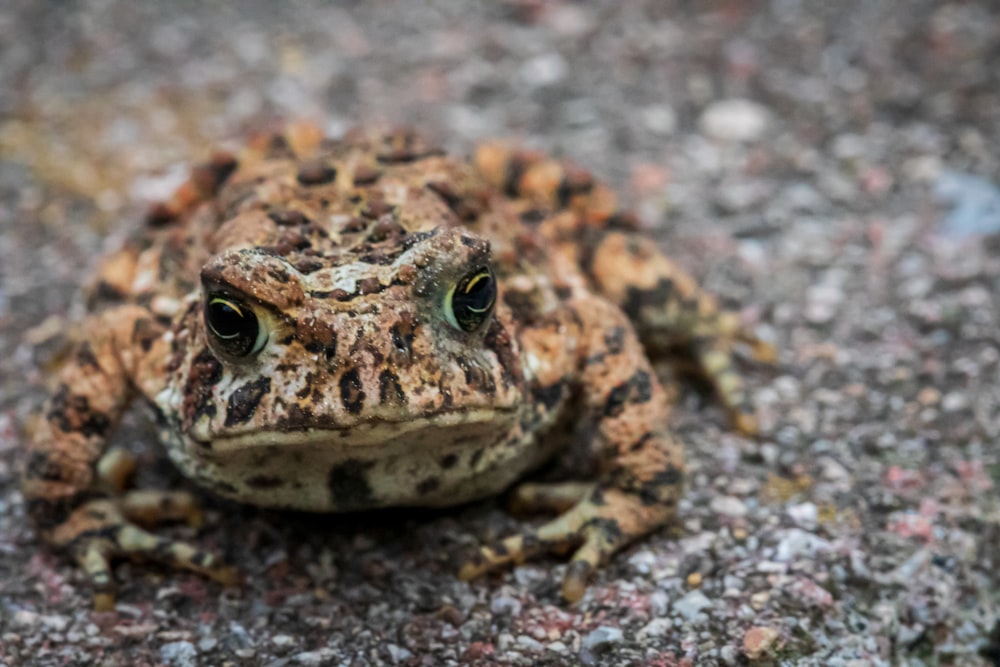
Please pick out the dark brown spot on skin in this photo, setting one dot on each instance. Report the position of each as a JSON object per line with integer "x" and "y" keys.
{"x": 390, "y": 391}
{"x": 475, "y": 243}
{"x": 316, "y": 173}
{"x": 661, "y": 489}
{"x": 278, "y": 147}
{"x": 204, "y": 374}
{"x": 379, "y": 256}
{"x": 669, "y": 476}
{"x": 615, "y": 403}
{"x": 478, "y": 378}
{"x": 615, "y": 340}
{"x": 402, "y": 334}
{"x": 348, "y": 485}
{"x": 73, "y": 414}
{"x": 636, "y": 300}
{"x": 48, "y": 513}
{"x": 643, "y": 387}
{"x": 307, "y": 265}
{"x": 533, "y": 216}
{"x": 641, "y": 442}
{"x": 288, "y": 217}
{"x": 351, "y": 394}
{"x": 549, "y": 396}
{"x": 160, "y": 215}
{"x": 244, "y": 401}
{"x": 498, "y": 340}
{"x": 309, "y": 381}
{"x": 219, "y": 168}
{"x": 448, "y": 461}
{"x": 279, "y": 273}
{"x": 209, "y": 177}
{"x": 622, "y": 221}
{"x": 476, "y": 457}
{"x": 105, "y": 292}
{"x": 144, "y": 332}
{"x": 589, "y": 239}
{"x": 264, "y": 482}
{"x": 428, "y": 485}
{"x": 524, "y": 305}
{"x": 418, "y": 237}
{"x": 512, "y": 176}
{"x": 610, "y": 530}
{"x": 366, "y": 175}
{"x": 296, "y": 417}
{"x": 637, "y": 389}
{"x": 317, "y": 339}
{"x": 464, "y": 208}
{"x": 41, "y": 467}
{"x": 369, "y": 285}
{"x": 570, "y": 186}
{"x": 377, "y": 208}
{"x": 384, "y": 228}
{"x": 444, "y": 190}
{"x": 85, "y": 356}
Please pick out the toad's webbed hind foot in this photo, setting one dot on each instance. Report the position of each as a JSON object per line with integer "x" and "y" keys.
{"x": 597, "y": 526}
{"x": 102, "y": 530}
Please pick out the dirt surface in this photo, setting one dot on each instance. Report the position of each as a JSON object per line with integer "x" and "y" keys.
{"x": 829, "y": 166}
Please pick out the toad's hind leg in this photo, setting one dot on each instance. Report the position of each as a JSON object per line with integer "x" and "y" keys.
{"x": 73, "y": 490}
{"x": 641, "y": 462}
{"x": 670, "y": 313}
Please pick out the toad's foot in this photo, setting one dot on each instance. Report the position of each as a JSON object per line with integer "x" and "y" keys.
{"x": 101, "y": 530}
{"x": 599, "y": 523}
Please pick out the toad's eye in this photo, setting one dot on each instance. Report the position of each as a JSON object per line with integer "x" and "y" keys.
{"x": 236, "y": 329}
{"x": 470, "y": 301}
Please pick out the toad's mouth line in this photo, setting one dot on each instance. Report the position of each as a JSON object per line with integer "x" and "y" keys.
{"x": 363, "y": 433}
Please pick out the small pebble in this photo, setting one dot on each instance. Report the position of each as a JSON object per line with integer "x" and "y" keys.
{"x": 655, "y": 628}
{"x": 505, "y": 605}
{"x": 529, "y": 643}
{"x": 691, "y": 604}
{"x": 728, "y": 505}
{"x": 179, "y": 654}
{"x": 314, "y": 658}
{"x": 734, "y": 120}
{"x": 759, "y": 641}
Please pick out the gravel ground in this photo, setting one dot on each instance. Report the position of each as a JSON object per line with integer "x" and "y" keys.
{"x": 829, "y": 166}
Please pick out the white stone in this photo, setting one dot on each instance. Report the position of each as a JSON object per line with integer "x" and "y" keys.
{"x": 728, "y": 505}
{"x": 734, "y": 120}
{"x": 655, "y": 628}
{"x": 692, "y": 604}
{"x": 601, "y": 636}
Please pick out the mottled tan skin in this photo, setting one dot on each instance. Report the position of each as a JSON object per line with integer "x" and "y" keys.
{"x": 363, "y": 389}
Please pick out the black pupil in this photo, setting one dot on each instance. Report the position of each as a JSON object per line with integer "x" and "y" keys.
{"x": 473, "y": 299}
{"x": 234, "y": 328}
{"x": 226, "y": 320}
{"x": 479, "y": 294}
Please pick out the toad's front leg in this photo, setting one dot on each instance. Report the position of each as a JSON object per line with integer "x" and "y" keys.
{"x": 73, "y": 497}
{"x": 642, "y": 464}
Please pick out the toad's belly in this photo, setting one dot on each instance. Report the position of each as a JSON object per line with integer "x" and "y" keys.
{"x": 327, "y": 476}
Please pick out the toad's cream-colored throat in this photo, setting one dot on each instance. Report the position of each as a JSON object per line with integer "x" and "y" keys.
{"x": 447, "y": 426}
